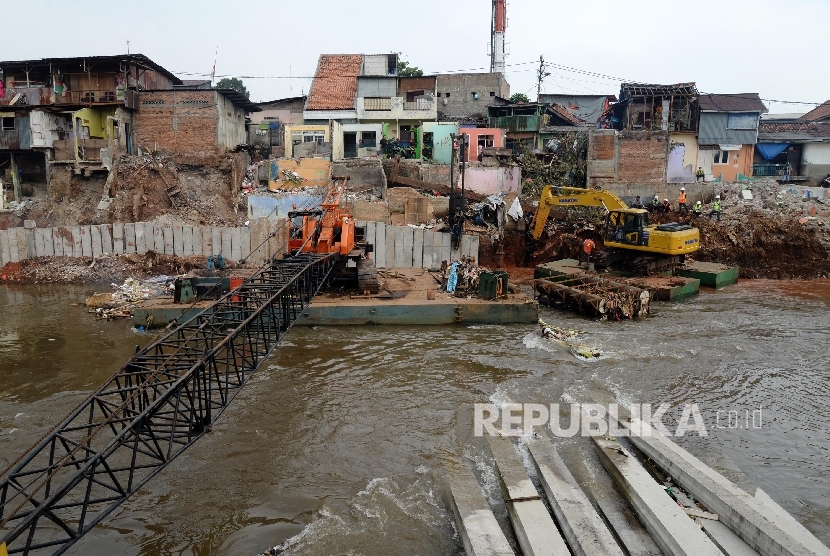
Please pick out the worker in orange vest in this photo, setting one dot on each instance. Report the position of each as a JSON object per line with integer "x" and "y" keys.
{"x": 681, "y": 201}
{"x": 587, "y": 248}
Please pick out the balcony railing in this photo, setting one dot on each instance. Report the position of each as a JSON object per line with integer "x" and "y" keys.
{"x": 419, "y": 104}
{"x": 40, "y": 96}
{"x": 516, "y": 123}
{"x": 761, "y": 170}
{"x": 377, "y": 104}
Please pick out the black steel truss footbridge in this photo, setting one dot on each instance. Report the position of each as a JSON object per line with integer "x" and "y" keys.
{"x": 163, "y": 400}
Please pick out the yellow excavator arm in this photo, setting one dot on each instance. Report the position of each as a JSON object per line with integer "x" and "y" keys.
{"x": 571, "y": 197}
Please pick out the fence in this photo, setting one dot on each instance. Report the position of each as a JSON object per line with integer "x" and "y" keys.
{"x": 19, "y": 244}
{"x": 406, "y": 247}
{"x": 394, "y": 246}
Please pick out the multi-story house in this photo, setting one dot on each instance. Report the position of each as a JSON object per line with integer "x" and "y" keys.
{"x": 727, "y": 134}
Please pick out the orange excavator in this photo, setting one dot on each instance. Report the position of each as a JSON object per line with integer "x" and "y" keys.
{"x": 329, "y": 228}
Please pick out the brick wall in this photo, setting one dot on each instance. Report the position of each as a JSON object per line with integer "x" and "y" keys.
{"x": 628, "y": 158}
{"x": 180, "y": 122}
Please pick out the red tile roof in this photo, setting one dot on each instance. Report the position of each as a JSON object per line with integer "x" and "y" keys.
{"x": 335, "y": 84}
{"x": 741, "y": 102}
{"x": 818, "y": 113}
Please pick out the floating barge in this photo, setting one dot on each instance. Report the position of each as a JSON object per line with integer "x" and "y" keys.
{"x": 412, "y": 299}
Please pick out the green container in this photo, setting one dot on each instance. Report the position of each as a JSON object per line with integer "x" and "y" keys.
{"x": 492, "y": 284}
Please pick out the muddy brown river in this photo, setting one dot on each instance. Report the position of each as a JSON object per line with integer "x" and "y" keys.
{"x": 339, "y": 442}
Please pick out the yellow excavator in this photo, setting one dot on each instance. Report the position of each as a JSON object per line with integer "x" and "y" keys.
{"x": 627, "y": 235}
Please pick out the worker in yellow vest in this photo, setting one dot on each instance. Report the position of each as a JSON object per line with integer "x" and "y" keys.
{"x": 716, "y": 208}
{"x": 681, "y": 201}
{"x": 698, "y": 209}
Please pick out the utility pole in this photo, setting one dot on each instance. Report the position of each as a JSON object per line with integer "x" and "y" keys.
{"x": 540, "y": 76}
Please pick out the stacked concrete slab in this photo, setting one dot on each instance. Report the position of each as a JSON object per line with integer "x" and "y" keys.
{"x": 410, "y": 247}
{"x": 264, "y": 239}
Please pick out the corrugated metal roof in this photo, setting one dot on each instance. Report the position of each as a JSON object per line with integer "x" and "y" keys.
{"x": 139, "y": 60}
{"x": 645, "y": 89}
{"x": 820, "y": 112}
{"x": 740, "y": 102}
{"x": 335, "y": 83}
{"x": 587, "y": 108}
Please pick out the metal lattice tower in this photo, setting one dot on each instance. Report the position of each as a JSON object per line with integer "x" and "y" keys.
{"x": 163, "y": 400}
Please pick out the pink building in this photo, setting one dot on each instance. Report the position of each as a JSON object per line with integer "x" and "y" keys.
{"x": 482, "y": 138}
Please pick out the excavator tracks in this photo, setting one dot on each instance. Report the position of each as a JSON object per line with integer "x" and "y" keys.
{"x": 367, "y": 276}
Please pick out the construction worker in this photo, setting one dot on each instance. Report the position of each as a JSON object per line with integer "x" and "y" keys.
{"x": 681, "y": 201}
{"x": 697, "y": 210}
{"x": 716, "y": 208}
{"x": 655, "y": 204}
{"x": 638, "y": 204}
{"x": 588, "y": 248}
{"x": 666, "y": 206}
{"x": 700, "y": 175}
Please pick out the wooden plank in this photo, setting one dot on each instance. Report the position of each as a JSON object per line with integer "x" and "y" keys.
{"x": 178, "y": 240}
{"x": 158, "y": 240}
{"x": 149, "y": 238}
{"x": 187, "y": 240}
{"x": 403, "y": 258}
{"x": 227, "y": 243}
{"x": 428, "y": 256}
{"x": 118, "y": 237}
{"x": 418, "y": 248}
{"x": 106, "y": 238}
{"x": 86, "y": 241}
{"x": 535, "y": 529}
{"x": 169, "y": 240}
{"x": 408, "y": 241}
{"x": 140, "y": 238}
{"x": 95, "y": 241}
{"x": 390, "y": 246}
{"x": 131, "y": 237}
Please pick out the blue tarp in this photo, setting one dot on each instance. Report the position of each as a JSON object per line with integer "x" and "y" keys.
{"x": 771, "y": 150}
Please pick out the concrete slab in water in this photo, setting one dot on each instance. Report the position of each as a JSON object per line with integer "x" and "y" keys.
{"x": 673, "y": 531}
{"x": 586, "y": 533}
{"x": 534, "y": 527}
{"x": 477, "y": 526}
{"x": 730, "y": 543}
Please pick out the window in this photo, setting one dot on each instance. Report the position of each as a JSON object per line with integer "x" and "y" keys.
{"x": 721, "y": 157}
{"x": 368, "y": 139}
{"x": 492, "y": 93}
{"x": 8, "y": 124}
{"x": 447, "y": 95}
{"x": 742, "y": 121}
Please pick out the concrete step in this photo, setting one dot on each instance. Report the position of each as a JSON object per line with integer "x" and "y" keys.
{"x": 584, "y": 530}
{"x": 477, "y": 526}
{"x": 673, "y": 531}
{"x": 534, "y": 527}
{"x": 759, "y": 521}
{"x": 730, "y": 543}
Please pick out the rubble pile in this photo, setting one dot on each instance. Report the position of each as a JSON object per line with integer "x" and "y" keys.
{"x": 461, "y": 277}
{"x": 99, "y": 270}
{"x": 122, "y": 302}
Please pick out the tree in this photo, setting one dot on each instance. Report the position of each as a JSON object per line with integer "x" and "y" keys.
{"x": 233, "y": 83}
{"x": 516, "y": 98}
{"x": 405, "y": 70}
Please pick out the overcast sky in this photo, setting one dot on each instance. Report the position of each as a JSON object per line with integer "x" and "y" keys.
{"x": 778, "y": 48}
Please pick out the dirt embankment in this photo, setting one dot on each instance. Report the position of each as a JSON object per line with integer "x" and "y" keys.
{"x": 777, "y": 234}
{"x": 203, "y": 191}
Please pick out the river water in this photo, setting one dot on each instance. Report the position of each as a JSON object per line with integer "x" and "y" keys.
{"x": 339, "y": 443}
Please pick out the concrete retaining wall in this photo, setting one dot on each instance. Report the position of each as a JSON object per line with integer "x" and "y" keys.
{"x": 407, "y": 247}
{"x": 19, "y": 244}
